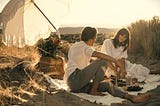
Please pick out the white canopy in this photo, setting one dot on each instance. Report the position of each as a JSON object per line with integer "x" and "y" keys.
{"x": 24, "y": 24}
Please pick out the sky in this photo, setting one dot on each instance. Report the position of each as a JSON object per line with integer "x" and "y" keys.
{"x": 107, "y": 13}
{"x": 112, "y": 13}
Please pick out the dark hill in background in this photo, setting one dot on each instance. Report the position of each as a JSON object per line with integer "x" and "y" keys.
{"x": 72, "y": 34}
{"x": 77, "y": 30}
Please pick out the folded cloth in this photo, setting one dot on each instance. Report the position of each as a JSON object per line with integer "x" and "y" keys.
{"x": 137, "y": 71}
{"x": 153, "y": 78}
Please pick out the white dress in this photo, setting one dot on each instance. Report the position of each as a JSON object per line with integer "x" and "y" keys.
{"x": 135, "y": 70}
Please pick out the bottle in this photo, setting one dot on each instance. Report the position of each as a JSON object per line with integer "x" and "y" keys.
{"x": 128, "y": 80}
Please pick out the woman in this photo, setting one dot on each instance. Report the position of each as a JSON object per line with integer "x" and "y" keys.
{"x": 82, "y": 76}
{"x": 117, "y": 48}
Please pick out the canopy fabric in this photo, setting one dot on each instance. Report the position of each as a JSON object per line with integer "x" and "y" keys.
{"x": 24, "y": 24}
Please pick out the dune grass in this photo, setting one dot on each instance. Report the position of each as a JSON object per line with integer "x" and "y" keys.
{"x": 145, "y": 37}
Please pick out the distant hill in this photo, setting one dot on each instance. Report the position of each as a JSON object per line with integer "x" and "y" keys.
{"x": 77, "y": 30}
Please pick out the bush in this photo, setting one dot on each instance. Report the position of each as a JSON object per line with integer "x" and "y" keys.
{"x": 48, "y": 47}
{"x": 145, "y": 37}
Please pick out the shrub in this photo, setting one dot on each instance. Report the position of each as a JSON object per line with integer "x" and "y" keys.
{"x": 145, "y": 37}
{"x": 48, "y": 47}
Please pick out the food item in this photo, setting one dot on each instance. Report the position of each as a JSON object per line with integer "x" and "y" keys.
{"x": 134, "y": 88}
{"x": 120, "y": 82}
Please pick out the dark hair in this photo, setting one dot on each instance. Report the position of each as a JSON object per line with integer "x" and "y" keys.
{"x": 88, "y": 33}
{"x": 116, "y": 42}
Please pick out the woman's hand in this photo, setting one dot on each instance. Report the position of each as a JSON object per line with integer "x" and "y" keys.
{"x": 122, "y": 67}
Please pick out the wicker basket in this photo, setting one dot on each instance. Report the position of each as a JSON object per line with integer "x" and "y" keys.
{"x": 52, "y": 66}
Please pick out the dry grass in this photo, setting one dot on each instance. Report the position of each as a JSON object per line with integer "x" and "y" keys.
{"x": 14, "y": 55}
{"x": 145, "y": 37}
{"x": 19, "y": 64}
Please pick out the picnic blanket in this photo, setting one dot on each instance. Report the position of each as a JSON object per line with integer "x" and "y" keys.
{"x": 151, "y": 82}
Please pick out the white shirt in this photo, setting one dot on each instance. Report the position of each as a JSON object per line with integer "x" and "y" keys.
{"x": 79, "y": 56}
{"x": 109, "y": 49}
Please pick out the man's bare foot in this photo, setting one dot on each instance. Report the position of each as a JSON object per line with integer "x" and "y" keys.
{"x": 138, "y": 98}
{"x": 94, "y": 90}
{"x": 97, "y": 93}
{"x": 141, "y": 98}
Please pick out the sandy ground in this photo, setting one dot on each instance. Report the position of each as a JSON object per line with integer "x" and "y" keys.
{"x": 60, "y": 98}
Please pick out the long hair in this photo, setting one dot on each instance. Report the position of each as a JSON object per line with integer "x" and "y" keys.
{"x": 116, "y": 42}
